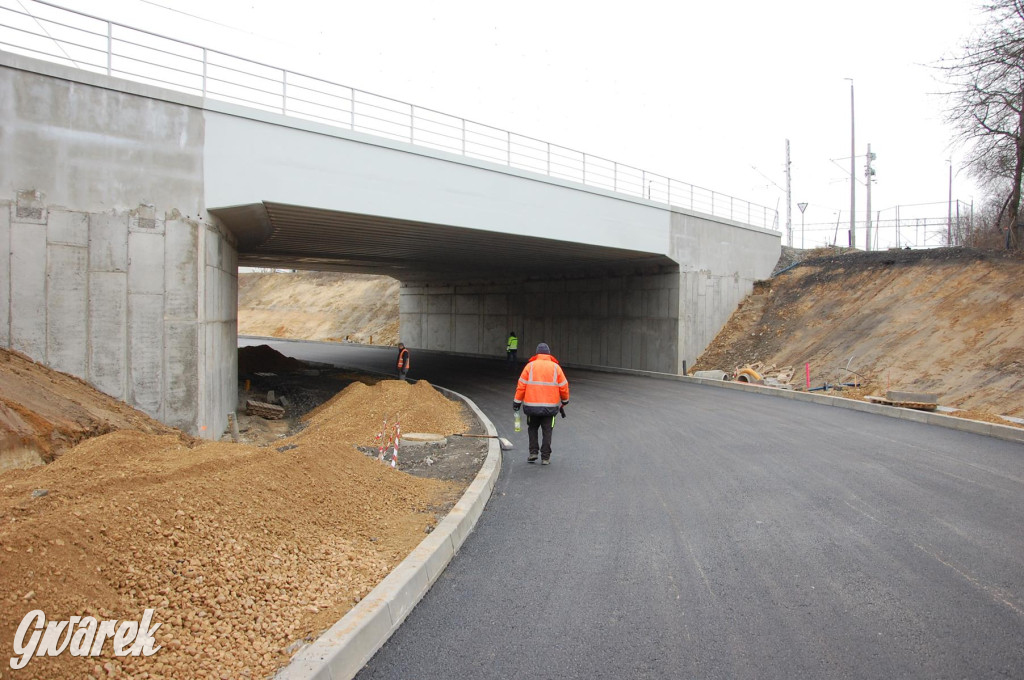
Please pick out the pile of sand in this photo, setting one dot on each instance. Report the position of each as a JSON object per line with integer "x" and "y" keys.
{"x": 241, "y": 550}
{"x": 354, "y": 415}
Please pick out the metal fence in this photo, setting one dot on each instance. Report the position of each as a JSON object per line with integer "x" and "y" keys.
{"x": 92, "y": 44}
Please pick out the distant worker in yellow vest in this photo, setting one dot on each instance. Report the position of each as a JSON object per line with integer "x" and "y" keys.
{"x": 512, "y": 347}
{"x": 403, "y": 361}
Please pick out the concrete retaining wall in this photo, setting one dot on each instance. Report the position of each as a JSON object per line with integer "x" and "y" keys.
{"x": 628, "y": 321}
{"x": 718, "y": 267}
{"x": 108, "y": 269}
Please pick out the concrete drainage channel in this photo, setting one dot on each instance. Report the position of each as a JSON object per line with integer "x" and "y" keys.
{"x": 345, "y": 648}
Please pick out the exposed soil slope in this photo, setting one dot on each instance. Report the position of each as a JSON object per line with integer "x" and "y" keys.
{"x": 947, "y": 321}
{"x": 43, "y": 412}
{"x": 319, "y": 306}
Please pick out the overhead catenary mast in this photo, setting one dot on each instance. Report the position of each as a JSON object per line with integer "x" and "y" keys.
{"x": 853, "y": 174}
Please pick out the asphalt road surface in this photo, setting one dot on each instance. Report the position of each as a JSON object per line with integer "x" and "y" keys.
{"x": 691, "y": 532}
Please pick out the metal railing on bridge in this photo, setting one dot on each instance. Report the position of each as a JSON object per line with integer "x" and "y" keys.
{"x": 93, "y": 44}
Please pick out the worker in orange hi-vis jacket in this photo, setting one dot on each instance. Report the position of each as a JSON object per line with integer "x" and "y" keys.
{"x": 542, "y": 392}
{"x": 403, "y": 361}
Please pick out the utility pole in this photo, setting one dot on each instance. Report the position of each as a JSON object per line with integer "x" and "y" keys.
{"x": 869, "y": 173}
{"x": 789, "y": 200}
{"x": 853, "y": 174}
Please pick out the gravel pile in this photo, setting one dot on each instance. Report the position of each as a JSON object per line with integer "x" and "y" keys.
{"x": 243, "y": 551}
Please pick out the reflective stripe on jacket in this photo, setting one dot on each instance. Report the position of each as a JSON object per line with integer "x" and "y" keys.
{"x": 542, "y": 386}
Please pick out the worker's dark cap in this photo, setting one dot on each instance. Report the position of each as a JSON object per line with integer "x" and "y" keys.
{"x": 543, "y": 348}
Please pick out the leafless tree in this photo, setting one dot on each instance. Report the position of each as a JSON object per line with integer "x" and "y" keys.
{"x": 986, "y": 106}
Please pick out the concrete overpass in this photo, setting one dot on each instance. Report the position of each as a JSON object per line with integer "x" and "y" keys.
{"x": 129, "y": 207}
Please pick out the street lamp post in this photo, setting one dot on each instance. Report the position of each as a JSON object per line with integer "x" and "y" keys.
{"x": 853, "y": 174}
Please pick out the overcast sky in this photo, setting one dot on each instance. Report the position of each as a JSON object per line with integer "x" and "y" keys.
{"x": 705, "y": 93}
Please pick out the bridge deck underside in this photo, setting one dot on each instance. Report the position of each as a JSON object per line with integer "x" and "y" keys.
{"x": 295, "y": 237}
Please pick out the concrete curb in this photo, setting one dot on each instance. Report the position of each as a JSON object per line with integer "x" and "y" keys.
{"x": 345, "y": 647}
{"x": 1006, "y": 432}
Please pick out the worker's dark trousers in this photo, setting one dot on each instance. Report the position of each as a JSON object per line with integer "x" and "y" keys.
{"x": 546, "y": 424}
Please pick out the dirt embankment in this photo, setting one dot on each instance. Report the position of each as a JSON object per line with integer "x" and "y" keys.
{"x": 242, "y": 550}
{"x": 947, "y": 321}
{"x": 319, "y": 306}
{"x": 43, "y": 413}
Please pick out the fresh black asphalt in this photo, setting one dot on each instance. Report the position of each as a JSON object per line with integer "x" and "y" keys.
{"x": 684, "y": 531}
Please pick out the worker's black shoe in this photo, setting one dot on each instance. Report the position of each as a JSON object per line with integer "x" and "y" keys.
{"x": 532, "y": 458}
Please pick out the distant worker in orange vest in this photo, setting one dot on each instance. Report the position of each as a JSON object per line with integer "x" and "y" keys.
{"x": 542, "y": 392}
{"x": 403, "y": 361}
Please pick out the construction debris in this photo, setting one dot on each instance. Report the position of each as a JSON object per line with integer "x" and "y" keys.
{"x": 760, "y": 374}
{"x": 264, "y": 410}
{"x": 915, "y": 397}
{"x": 711, "y": 375}
{"x": 915, "y": 400}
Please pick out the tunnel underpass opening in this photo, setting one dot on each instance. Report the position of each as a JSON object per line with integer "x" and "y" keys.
{"x": 463, "y": 290}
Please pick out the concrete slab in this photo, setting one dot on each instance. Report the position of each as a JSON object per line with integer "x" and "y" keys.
{"x": 67, "y": 306}
{"x": 228, "y": 301}
{"x": 181, "y": 270}
{"x": 467, "y": 335}
{"x": 412, "y": 330}
{"x": 28, "y": 289}
{"x": 108, "y": 242}
{"x": 439, "y": 304}
{"x": 496, "y": 304}
{"x": 70, "y": 228}
{"x": 468, "y": 304}
{"x": 181, "y": 371}
{"x": 146, "y": 352}
{"x": 211, "y": 294}
{"x": 438, "y": 330}
{"x": 5, "y": 273}
{"x": 915, "y": 397}
{"x": 145, "y": 263}
{"x": 108, "y": 332}
{"x": 214, "y": 244}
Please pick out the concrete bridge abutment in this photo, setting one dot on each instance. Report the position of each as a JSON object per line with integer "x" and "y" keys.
{"x": 110, "y": 268}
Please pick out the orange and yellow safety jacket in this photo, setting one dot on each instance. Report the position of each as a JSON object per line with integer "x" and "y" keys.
{"x": 542, "y": 387}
